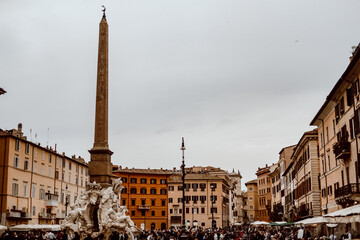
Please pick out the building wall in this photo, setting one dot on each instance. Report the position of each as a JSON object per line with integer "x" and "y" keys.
{"x": 28, "y": 180}
{"x": 264, "y": 193}
{"x": 252, "y": 206}
{"x": 148, "y": 210}
{"x": 197, "y": 212}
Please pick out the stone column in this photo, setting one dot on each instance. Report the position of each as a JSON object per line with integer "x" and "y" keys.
{"x": 100, "y": 167}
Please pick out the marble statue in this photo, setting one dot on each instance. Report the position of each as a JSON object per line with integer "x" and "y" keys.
{"x": 98, "y": 211}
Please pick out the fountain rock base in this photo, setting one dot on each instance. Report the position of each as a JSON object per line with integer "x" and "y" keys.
{"x": 98, "y": 211}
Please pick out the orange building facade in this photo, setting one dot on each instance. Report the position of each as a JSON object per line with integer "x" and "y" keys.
{"x": 145, "y": 195}
{"x": 264, "y": 193}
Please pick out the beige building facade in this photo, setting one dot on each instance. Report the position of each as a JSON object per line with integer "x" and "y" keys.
{"x": 251, "y": 206}
{"x": 264, "y": 193}
{"x": 206, "y": 198}
{"x": 338, "y": 132}
{"x": 38, "y": 185}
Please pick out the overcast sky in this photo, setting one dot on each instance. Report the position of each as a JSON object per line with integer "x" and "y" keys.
{"x": 239, "y": 80}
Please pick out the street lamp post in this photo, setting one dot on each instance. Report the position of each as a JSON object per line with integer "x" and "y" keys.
{"x": 183, "y": 234}
{"x": 183, "y": 182}
{"x": 66, "y": 199}
{"x": 212, "y": 206}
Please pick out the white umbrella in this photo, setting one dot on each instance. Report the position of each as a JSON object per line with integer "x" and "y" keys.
{"x": 260, "y": 223}
{"x": 310, "y": 221}
{"x": 353, "y": 210}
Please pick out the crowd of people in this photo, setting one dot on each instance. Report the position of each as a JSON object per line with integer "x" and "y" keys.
{"x": 251, "y": 233}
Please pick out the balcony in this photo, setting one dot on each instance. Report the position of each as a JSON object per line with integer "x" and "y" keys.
{"x": 342, "y": 149}
{"x": 47, "y": 215}
{"x": 60, "y": 216}
{"x": 143, "y": 207}
{"x": 347, "y": 194}
{"x": 51, "y": 200}
{"x": 17, "y": 214}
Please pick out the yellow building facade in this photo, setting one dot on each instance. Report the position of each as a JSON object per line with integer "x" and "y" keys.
{"x": 37, "y": 184}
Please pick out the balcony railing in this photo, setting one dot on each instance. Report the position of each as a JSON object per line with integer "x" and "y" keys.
{"x": 143, "y": 207}
{"x": 47, "y": 215}
{"x": 52, "y": 200}
{"x": 342, "y": 149}
{"x": 18, "y": 214}
{"x": 345, "y": 191}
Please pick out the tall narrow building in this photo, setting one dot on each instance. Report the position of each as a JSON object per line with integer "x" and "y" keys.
{"x": 100, "y": 167}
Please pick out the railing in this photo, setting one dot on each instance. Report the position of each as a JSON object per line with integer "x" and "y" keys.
{"x": 143, "y": 207}
{"x": 52, "y": 200}
{"x": 346, "y": 190}
{"x": 18, "y": 214}
{"x": 47, "y": 215}
{"x": 342, "y": 149}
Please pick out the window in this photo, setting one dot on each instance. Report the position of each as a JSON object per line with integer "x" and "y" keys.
{"x": 163, "y": 191}
{"x": 34, "y": 166}
{"x": 49, "y": 171}
{"x": 69, "y": 178}
{"x": 179, "y": 188}
{"x": 349, "y": 97}
{"x": 202, "y": 199}
{"x": 152, "y": 213}
{"x": 195, "y": 186}
{"x": 76, "y": 181}
{"x": 42, "y": 169}
{"x": 124, "y": 190}
{"x": 143, "y": 202}
{"x": 143, "y": 190}
{"x": 133, "y": 180}
{"x": 202, "y": 210}
{"x": 162, "y": 181}
{"x": 195, "y": 210}
{"x": 153, "y": 191}
{"x": 213, "y": 210}
{"x": 328, "y": 158}
{"x": 33, "y": 210}
{"x": 63, "y": 163}
{"x": 16, "y": 162}
{"x": 179, "y": 200}
{"x": 142, "y": 213}
{"x": 25, "y": 185}
{"x": 124, "y": 202}
{"x": 213, "y": 186}
{"x": 213, "y": 199}
{"x": 57, "y": 174}
{"x": 63, "y": 176}
{"x": 124, "y": 179}
{"x": 132, "y": 213}
{"x": 187, "y": 186}
{"x": 250, "y": 188}
{"x": 17, "y": 145}
{"x": 15, "y": 187}
{"x": 202, "y": 187}
{"x": 132, "y": 190}
{"x": 152, "y": 202}
{"x": 195, "y": 199}
{"x": 26, "y": 165}
{"x": 69, "y": 165}
{"x": 163, "y": 202}
{"x": 352, "y": 128}
{"x": 162, "y": 213}
{"x": 251, "y": 207}
{"x": 35, "y": 152}
{"x": 171, "y": 211}
{"x": 33, "y": 190}
{"x": 50, "y": 158}
{"x": 187, "y": 210}
{"x": 133, "y": 202}
{"x": 153, "y": 181}
{"x": 27, "y": 148}
{"x": 143, "y": 180}
{"x": 327, "y": 134}
{"x": 42, "y": 193}
{"x": 170, "y": 200}
{"x": 171, "y": 188}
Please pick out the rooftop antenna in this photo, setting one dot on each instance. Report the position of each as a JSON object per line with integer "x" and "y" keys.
{"x": 47, "y": 142}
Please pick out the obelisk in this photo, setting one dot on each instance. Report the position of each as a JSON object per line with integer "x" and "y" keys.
{"x": 100, "y": 167}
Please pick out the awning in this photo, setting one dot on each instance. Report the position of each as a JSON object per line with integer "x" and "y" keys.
{"x": 349, "y": 211}
{"x": 260, "y": 223}
{"x": 28, "y": 227}
{"x": 315, "y": 220}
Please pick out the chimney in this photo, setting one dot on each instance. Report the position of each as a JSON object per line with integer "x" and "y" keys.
{"x": 20, "y": 129}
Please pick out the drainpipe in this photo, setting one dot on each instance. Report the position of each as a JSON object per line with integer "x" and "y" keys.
{"x": 357, "y": 147}
{"x": 326, "y": 185}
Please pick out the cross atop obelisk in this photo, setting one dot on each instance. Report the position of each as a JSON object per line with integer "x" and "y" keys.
{"x": 100, "y": 167}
